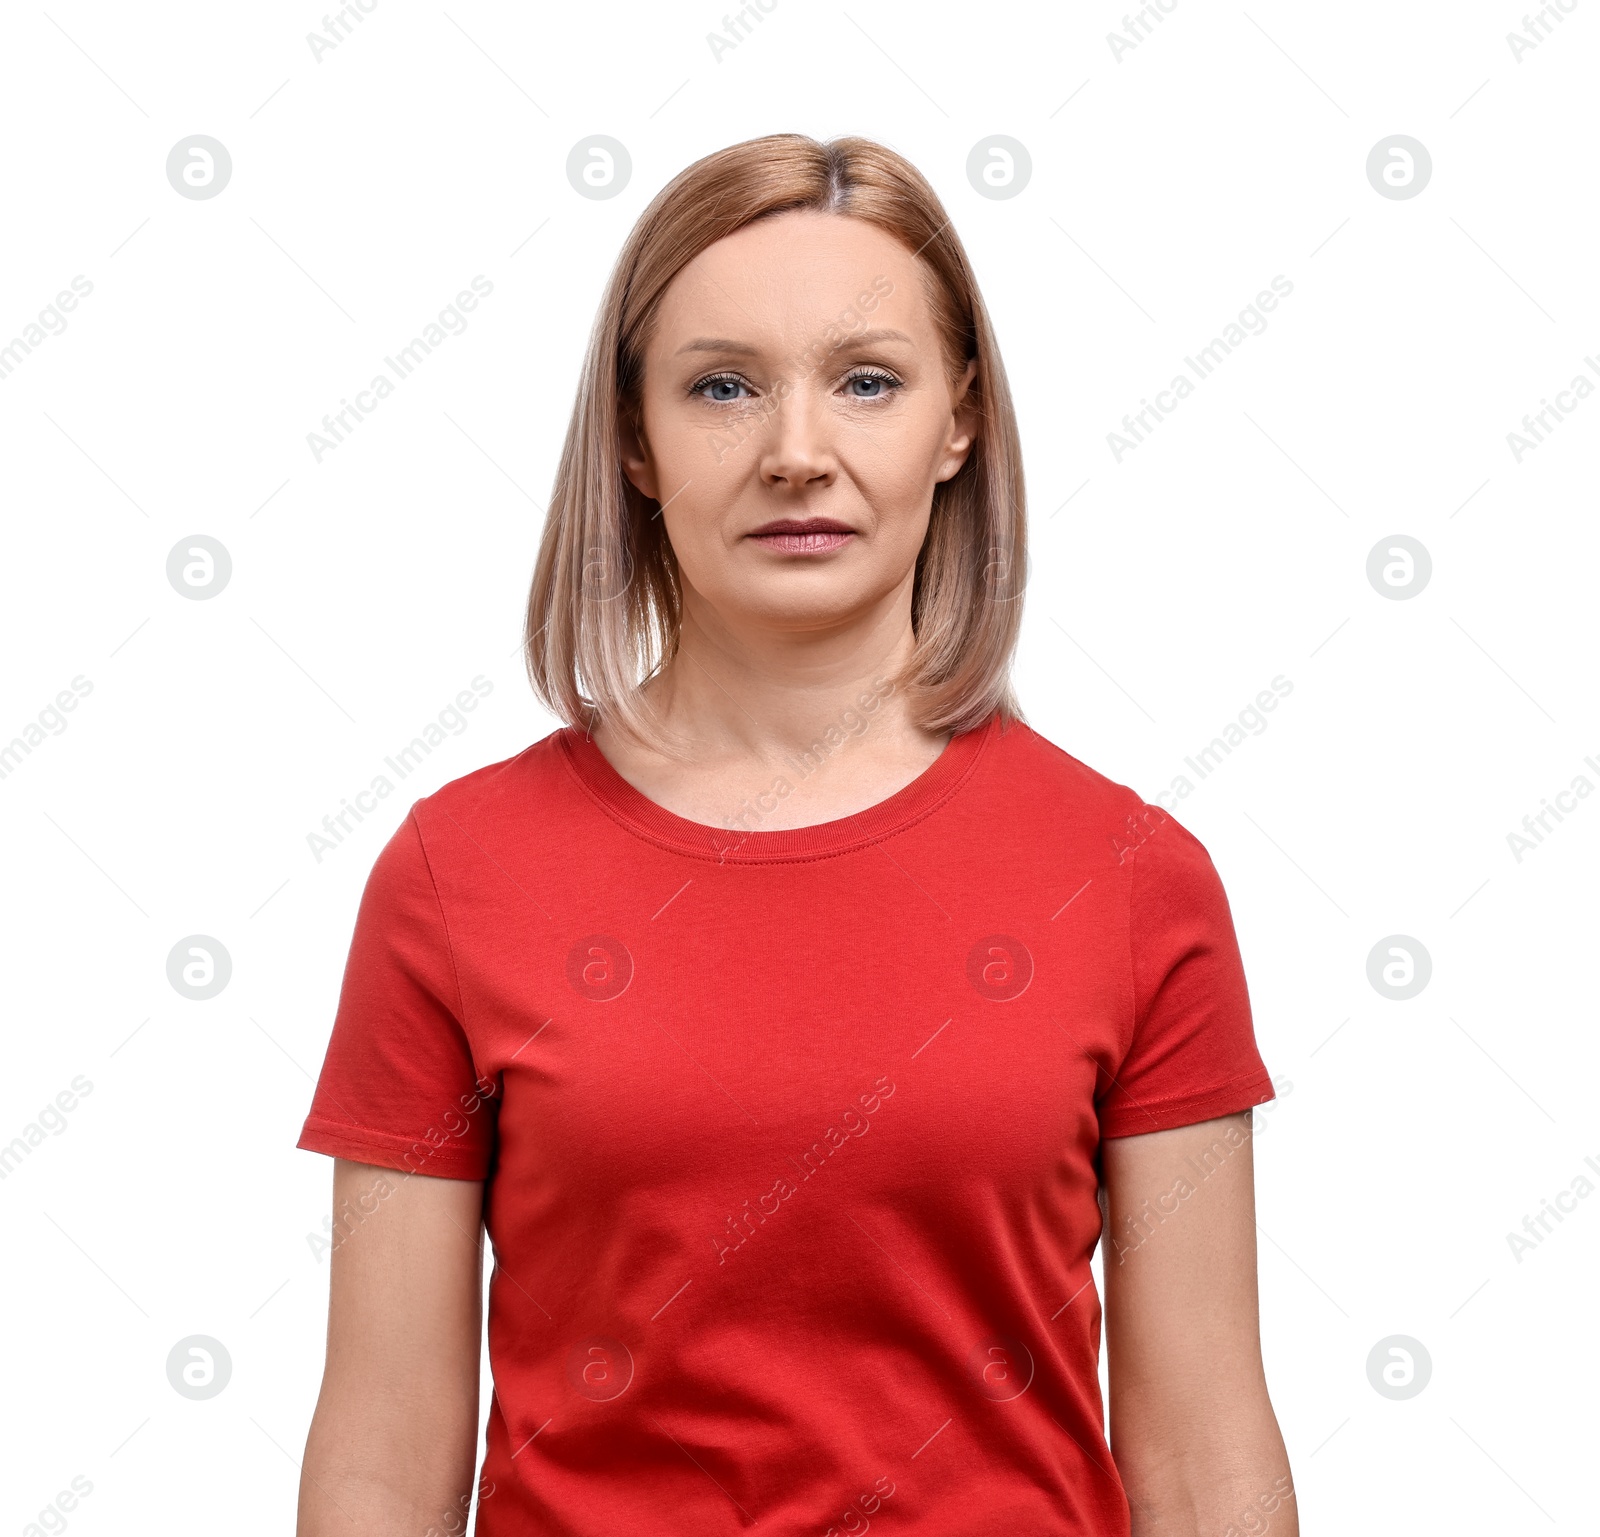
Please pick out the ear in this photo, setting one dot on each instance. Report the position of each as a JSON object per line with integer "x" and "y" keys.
{"x": 635, "y": 455}
{"x": 963, "y": 424}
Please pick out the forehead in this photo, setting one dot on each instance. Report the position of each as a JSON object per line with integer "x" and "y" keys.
{"x": 782, "y": 279}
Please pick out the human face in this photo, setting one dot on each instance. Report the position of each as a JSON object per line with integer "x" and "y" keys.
{"x": 797, "y": 410}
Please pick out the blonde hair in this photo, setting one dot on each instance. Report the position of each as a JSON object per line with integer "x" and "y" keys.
{"x": 604, "y": 606}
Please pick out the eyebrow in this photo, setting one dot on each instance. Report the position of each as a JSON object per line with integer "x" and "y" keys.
{"x": 744, "y": 349}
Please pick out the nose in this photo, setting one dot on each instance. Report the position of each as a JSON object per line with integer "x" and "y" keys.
{"x": 797, "y": 449}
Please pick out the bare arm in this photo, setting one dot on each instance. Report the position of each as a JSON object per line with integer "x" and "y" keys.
{"x": 393, "y": 1443}
{"x": 1192, "y": 1428}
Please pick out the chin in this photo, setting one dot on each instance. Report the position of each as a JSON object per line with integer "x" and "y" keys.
{"x": 803, "y": 599}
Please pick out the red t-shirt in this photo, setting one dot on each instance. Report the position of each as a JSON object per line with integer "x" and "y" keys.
{"x": 791, "y": 1137}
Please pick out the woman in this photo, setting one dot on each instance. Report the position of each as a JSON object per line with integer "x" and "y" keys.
{"x": 788, "y": 1016}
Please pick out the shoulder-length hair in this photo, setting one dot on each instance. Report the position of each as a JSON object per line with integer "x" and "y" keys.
{"x": 604, "y": 607}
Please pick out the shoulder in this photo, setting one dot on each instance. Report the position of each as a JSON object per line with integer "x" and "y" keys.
{"x": 1024, "y": 752}
{"x": 499, "y": 796}
{"x": 1100, "y": 818}
{"x": 1069, "y": 793}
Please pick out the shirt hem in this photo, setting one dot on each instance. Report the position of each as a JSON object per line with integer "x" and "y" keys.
{"x": 1237, "y": 1094}
{"x": 410, "y": 1155}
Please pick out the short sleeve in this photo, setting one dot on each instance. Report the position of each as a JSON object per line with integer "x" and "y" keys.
{"x": 399, "y": 1086}
{"x": 1193, "y": 1052}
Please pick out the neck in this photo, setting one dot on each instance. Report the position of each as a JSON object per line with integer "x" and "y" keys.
{"x": 736, "y": 690}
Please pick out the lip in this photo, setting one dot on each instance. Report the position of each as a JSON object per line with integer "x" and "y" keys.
{"x": 817, "y": 536}
{"x": 803, "y": 536}
{"x": 800, "y": 526}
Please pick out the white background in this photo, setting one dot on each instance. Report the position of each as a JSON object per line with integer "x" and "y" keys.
{"x": 1169, "y": 185}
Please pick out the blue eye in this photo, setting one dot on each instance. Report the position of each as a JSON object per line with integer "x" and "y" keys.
{"x": 722, "y": 388}
{"x": 875, "y": 386}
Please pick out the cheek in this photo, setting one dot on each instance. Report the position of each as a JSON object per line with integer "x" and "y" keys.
{"x": 712, "y": 452}
{"x": 670, "y": 432}
{"x": 895, "y": 458}
{"x": 702, "y": 499}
